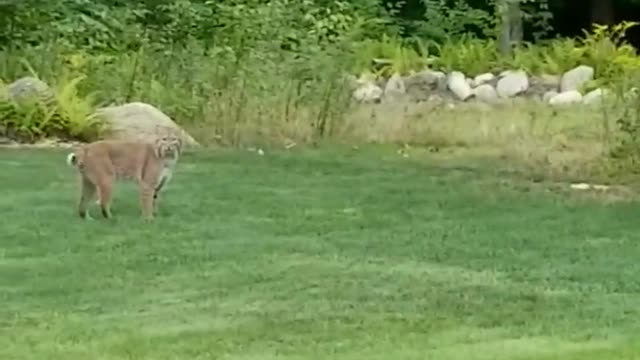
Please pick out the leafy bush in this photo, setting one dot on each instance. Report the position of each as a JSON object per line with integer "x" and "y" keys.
{"x": 469, "y": 54}
{"x": 68, "y": 117}
{"x": 402, "y": 59}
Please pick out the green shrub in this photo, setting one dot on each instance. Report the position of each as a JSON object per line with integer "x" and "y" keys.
{"x": 603, "y": 48}
{"x": 68, "y": 117}
{"x": 471, "y": 55}
{"x": 402, "y": 58}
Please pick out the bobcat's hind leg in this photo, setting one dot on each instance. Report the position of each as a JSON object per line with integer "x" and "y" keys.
{"x": 87, "y": 191}
{"x": 105, "y": 190}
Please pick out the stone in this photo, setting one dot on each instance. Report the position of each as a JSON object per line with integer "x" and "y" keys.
{"x": 512, "y": 83}
{"x": 457, "y": 84}
{"x": 549, "y": 95}
{"x": 482, "y": 79}
{"x": 28, "y": 89}
{"x": 420, "y": 85}
{"x": 566, "y": 98}
{"x": 540, "y": 85}
{"x": 575, "y": 78}
{"x": 351, "y": 81}
{"x": 550, "y": 81}
{"x": 366, "y": 78}
{"x": 138, "y": 120}
{"x": 594, "y": 97}
{"x": 368, "y": 93}
{"x": 486, "y": 93}
{"x": 435, "y": 99}
{"x": 395, "y": 89}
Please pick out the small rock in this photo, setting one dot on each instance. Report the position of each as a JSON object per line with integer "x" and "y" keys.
{"x": 576, "y": 77}
{"x": 368, "y": 93}
{"x": 395, "y": 87}
{"x": 482, "y": 79}
{"x": 593, "y": 97}
{"x": 366, "y": 78}
{"x": 550, "y": 81}
{"x": 457, "y": 83}
{"x": 351, "y": 81}
{"x": 567, "y": 97}
{"x": 586, "y": 186}
{"x": 435, "y": 98}
{"x": 512, "y": 83}
{"x": 5, "y": 140}
{"x": 28, "y": 89}
{"x": 549, "y": 95}
{"x": 419, "y": 85}
{"x": 580, "y": 186}
{"x": 486, "y": 93}
{"x": 540, "y": 85}
{"x": 426, "y": 77}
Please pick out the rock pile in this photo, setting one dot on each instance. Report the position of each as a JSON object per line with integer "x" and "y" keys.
{"x": 488, "y": 88}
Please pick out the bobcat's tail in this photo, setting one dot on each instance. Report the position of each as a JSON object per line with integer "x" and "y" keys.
{"x": 76, "y": 158}
{"x": 72, "y": 159}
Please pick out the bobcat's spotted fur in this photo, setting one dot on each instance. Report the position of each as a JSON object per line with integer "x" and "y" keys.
{"x": 102, "y": 162}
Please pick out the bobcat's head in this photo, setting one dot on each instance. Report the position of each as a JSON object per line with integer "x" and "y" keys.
{"x": 168, "y": 147}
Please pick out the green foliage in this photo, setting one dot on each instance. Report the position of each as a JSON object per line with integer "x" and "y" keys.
{"x": 402, "y": 58}
{"x": 603, "y": 48}
{"x": 68, "y": 117}
{"x": 471, "y": 55}
{"x": 606, "y": 50}
{"x": 552, "y": 57}
{"x": 449, "y": 19}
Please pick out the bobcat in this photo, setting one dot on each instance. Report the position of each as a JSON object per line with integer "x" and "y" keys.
{"x": 102, "y": 162}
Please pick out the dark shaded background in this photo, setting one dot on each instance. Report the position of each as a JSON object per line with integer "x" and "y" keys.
{"x": 570, "y": 17}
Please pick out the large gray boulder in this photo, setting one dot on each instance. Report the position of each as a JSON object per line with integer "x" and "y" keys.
{"x": 368, "y": 93}
{"x": 420, "y": 86}
{"x": 30, "y": 89}
{"x": 482, "y": 79}
{"x": 566, "y": 98}
{"x": 576, "y": 77}
{"x": 486, "y": 93}
{"x": 458, "y": 85}
{"x": 142, "y": 121}
{"x": 512, "y": 83}
{"x": 395, "y": 89}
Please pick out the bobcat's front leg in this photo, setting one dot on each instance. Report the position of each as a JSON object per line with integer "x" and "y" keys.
{"x": 146, "y": 201}
{"x": 156, "y": 192}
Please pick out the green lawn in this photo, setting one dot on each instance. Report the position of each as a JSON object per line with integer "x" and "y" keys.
{"x": 315, "y": 255}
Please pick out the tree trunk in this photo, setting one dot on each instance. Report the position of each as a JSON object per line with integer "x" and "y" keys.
{"x": 510, "y": 24}
{"x": 515, "y": 20}
{"x": 602, "y": 12}
{"x": 505, "y": 27}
